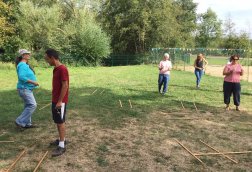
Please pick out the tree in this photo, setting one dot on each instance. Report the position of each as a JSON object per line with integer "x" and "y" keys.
{"x": 209, "y": 29}
{"x": 65, "y": 26}
{"x": 137, "y": 25}
{"x": 240, "y": 41}
{"x": 229, "y": 27}
{"x": 87, "y": 43}
{"x": 186, "y": 19}
{"x": 6, "y": 28}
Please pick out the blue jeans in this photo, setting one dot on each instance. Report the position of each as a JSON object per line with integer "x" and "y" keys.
{"x": 198, "y": 74}
{"x": 163, "y": 79}
{"x": 29, "y": 107}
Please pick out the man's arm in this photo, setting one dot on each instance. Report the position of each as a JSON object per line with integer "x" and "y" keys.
{"x": 62, "y": 93}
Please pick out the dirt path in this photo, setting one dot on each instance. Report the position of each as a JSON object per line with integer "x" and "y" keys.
{"x": 217, "y": 71}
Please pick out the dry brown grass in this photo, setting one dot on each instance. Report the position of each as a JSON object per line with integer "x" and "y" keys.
{"x": 144, "y": 145}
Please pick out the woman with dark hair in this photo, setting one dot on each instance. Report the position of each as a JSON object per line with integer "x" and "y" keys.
{"x": 231, "y": 85}
{"x": 26, "y": 83}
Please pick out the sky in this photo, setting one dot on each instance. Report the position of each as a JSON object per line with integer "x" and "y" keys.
{"x": 240, "y": 11}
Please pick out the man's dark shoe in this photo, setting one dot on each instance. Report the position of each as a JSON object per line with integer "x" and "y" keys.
{"x": 56, "y": 143}
{"x": 58, "y": 151}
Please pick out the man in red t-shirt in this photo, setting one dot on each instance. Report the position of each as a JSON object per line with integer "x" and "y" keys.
{"x": 60, "y": 87}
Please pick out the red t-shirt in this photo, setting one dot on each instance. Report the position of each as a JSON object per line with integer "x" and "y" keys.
{"x": 60, "y": 74}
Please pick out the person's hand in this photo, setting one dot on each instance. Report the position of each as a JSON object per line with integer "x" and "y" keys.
{"x": 36, "y": 83}
{"x": 58, "y": 105}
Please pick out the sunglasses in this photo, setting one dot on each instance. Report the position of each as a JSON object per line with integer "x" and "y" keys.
{"x": 236, "y": 59}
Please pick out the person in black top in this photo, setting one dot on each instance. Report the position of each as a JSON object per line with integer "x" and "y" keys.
{"x": 199, "y": 65}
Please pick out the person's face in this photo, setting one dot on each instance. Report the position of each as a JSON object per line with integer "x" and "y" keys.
{"x": 235, "y": 60}
{"x": 166, "y": 58}
{"x": 49, "y": 60}
{"x": 26, "y": 56}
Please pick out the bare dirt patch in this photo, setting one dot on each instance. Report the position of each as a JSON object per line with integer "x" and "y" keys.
{"x": 217, "y": 71}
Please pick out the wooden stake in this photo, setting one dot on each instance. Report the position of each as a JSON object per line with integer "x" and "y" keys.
{"x": 183, "y": 118}
{"x": 94, "y": 91}
{"x": 17, "y": 159}
{"x": 182, "y": 105}
{"x": 202, "y": 154}
{"x": 2, "y": 134}
{"x": 195, "y": 107}
{"x": 130, "y": 104}
{"x": 219, "y": 152}
{"x": 45, "y": 106}
{"x": 120, "y": 103}
{"x": 6, "y": 141}
{"x": 40, "y": 162}
{"x": 189, "y": 152}
{"x": 102, "y": 91}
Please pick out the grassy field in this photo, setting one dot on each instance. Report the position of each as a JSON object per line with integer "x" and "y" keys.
{"x": 106, "y": 137}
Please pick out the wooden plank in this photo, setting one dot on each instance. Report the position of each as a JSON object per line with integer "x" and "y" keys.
{"x": 94, "y": 91}
{"x": 16, "y": 160}
{"x": 216, "y": 153}
{"x": 120, "y": 103}
{"x": 40, "y": 162}
{"x": 195, "y": 106}
{"x": 130, "y": 104}
{"x": 45, "y": 106}
{"x": 6, "y": 141}
{"x": 182, "y": 105}
{"x": 189, "y": 152}
{"x": 219, "y": 152}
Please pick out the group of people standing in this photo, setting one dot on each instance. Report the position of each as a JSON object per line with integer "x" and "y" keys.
{"x": 232, "y": 72}
{"x": 27, "y": 82}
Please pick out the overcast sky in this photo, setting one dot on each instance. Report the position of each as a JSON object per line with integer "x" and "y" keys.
{"x": 240, "y": 11}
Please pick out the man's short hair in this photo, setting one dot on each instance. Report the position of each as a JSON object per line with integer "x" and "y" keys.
{"x": 52, "y": 53}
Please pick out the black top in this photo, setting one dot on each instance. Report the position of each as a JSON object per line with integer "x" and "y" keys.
{"x": 199, "y": 64}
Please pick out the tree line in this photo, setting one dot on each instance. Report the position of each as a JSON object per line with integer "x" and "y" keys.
{"x": 89, "y": 30}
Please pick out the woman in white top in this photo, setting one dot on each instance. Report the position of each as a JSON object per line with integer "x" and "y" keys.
{"x": 164, "y": 67}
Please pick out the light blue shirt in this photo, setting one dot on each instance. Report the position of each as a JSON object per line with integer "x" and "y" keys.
{"x": 25, "y": 73}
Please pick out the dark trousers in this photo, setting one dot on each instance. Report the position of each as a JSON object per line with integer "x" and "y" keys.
{"x": 228, "y": 89}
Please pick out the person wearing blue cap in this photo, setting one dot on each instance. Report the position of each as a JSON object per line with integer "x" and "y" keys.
{"x": 26, "y": 83}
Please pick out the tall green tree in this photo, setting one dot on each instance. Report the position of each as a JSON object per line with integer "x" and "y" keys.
{"x": 186, "y": 19}
{"x": 137, "y": 25}
{"x": 209, "y": 29}
{"x": 6, "y": 27}
{"x": 66, "y": 26}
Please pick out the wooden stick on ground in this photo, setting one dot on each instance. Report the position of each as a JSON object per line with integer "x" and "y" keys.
{"x": 195, "y": 106}
{"x": 202, "y": 154}
{"x": 130, "y": 104}
{"x": 40, "y": 161}
{"x": 219, "y": 152}
{"x": 120, "y": 103}
{"x": 45, "y": 106}
{"x": 183, "y": 118}
{"x": 6, "y": 141}
{"x": 2, "y": 134}
{"x": 102, "y": 91}
{"x": 94, "y": 91}
{"x": 182, "y": 105}
{"x": 189, "y": 152}
{"x": 17, "y": 159}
